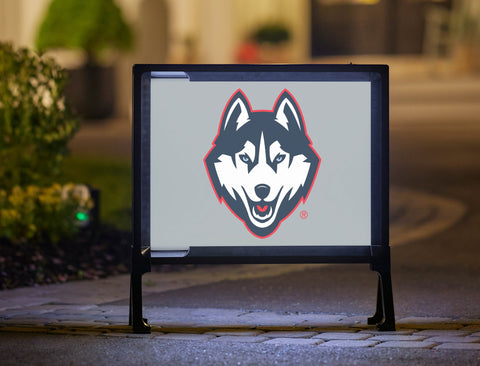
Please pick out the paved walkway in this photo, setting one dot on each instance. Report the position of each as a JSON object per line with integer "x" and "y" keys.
{"x": 240, "y": 326}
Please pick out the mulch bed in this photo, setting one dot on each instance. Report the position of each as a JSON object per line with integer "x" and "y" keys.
{"x": 86, "y": 256}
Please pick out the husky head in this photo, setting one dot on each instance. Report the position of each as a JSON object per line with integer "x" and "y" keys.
{"x": 262, "y": 163}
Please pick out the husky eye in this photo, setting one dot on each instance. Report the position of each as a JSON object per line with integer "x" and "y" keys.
{"x": 245, "y": 158}
{"x": 279, "y": 158}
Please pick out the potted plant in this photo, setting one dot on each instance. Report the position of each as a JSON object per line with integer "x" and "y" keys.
{"x": 96, "y": 27}
{"x": 272, "y": 40}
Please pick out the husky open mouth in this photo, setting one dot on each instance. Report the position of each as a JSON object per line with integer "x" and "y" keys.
{"x": 258, "y": 154}
{"x": 262, "y": 211}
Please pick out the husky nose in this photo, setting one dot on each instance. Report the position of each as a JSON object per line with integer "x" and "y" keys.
{"x": 262, "y": 191}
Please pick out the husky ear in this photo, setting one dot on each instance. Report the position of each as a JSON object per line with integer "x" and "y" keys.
{"x": 237, "y": 112}
{"x": 287, "y": 113}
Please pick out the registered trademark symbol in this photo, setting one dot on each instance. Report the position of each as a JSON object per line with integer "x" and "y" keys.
{"x": 303, "y": 214}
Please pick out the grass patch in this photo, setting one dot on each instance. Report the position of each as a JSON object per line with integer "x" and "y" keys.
{"x": 113, "y": 177}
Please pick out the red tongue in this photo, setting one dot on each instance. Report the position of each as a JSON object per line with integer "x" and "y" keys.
{"x": 262, "y": 209}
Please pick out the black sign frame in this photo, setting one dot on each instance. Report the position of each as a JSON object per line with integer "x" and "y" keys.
{"x": 377, "y": 254}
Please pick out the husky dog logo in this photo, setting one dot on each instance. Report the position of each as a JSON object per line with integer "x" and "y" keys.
{"x": 262, "y": 163}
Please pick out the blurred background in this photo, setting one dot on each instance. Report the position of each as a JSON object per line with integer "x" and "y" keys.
{"x": 431, "y": 46}
{"x": 439, "y": 38}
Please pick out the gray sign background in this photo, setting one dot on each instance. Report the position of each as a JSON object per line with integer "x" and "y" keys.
{"x": 185, "y": 211}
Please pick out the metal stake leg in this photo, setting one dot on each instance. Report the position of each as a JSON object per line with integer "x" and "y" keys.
{"x": 137, "y": 321}
{"x": 378, "y": 316}
{"x": 388, "y": 323}
{"x": 139, "y": 267}
{"x": 384, "y": 316}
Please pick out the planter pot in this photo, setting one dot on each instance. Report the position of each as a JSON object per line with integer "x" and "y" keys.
{"x": 90, "y": 90}
{"x": 275, "y": 53}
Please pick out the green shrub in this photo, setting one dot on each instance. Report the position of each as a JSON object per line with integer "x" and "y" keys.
{"x": 93, "y": 26}
{"x": 35, "y": 127}
{"x": 35, "y": 122}
{"x": 273, "y": 33}
{"x": 42, "y": 215}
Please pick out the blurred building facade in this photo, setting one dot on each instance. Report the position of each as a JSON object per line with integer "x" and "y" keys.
{"x": 220, "y": 31}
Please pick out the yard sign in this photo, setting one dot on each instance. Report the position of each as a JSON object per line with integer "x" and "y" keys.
{"x": 261, "y": 164}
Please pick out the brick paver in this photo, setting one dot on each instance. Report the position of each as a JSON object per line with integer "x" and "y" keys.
{"x": 427, "y": 323}
{"x": 348, "y": 343}
{"x": 241, "y": 339}
{"x": 388, "y": 332}
{"x": 343, "y": 336}
{"x": 453, "y": 339}
{"x": 235, "y": 332}
{"x": 473, "y": 328}
{"x": 209, "y": 325}
{"x": 294, "y": 341}
{"x": 443, "y": 332}
{"x": 291, "y": 334}
{"x": 466, "y": 346}
{"x": 148, "y": 336}
{"x": 187, "y": 337}
{"x": 395, "y": 337}
{"x": 408, "y": 344}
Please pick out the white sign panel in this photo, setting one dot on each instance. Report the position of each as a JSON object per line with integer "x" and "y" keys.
{"x": 255, "y": 163}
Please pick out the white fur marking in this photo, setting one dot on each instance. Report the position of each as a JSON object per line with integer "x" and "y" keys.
{"x": 281, "y": 117}
{"x": 262, "y": 154}
{"x": 237, "y": 179}
{"x": 244, "y": 116}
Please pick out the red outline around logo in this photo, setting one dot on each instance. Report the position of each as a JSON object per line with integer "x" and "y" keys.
{"x": 303, "y": 199}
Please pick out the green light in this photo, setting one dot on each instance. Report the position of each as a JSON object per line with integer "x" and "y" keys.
{"x": 82, "y": 216}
